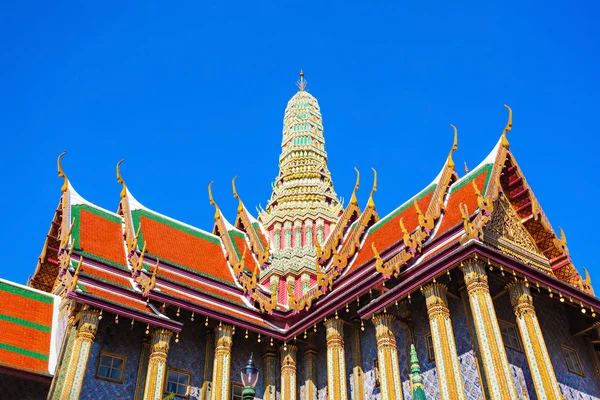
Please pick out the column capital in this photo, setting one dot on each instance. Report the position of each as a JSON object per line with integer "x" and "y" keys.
{"x": 520, "y": 298}
{"x": 88, "y": 324}
{"x": 476, "y": 278}
{"x": 436, "y": 299}
{"x": 334, "y": 328}
{"x": 159, "y": 343}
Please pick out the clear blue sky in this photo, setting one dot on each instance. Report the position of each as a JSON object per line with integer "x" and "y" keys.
{"x": 189, "y": 92}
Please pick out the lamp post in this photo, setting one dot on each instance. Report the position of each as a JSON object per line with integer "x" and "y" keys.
{"x": 249, "y": 378}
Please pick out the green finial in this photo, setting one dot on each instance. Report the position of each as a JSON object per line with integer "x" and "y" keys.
{"x": 415, "y": 375}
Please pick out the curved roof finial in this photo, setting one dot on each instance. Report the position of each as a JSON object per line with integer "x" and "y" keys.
{"x": 353, "y": 198}
{"x": 301, "y": 82}
{"x": 454, "y": 147}
{"x": 235, "y": 194}
{"x": 374, "y": 189}
{"x": 212, "y": 201}
{"x": 61, "y": 173}
{"x": 508, "y": 127}
{"x": 120, "y": 179}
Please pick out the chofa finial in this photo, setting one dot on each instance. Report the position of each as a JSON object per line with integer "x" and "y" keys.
{"x": 235, "y": 194}
{"x": 61, "y": 173}
{"x": 353, "y": 198}
{"x": 374, "y": 189}
{"x": 504, "y": 140}
{"x": 212, "y": 201}
{"x": 454, "y": 147}
{"x": 120, "y": 179}
{"x": 301, "y": 82}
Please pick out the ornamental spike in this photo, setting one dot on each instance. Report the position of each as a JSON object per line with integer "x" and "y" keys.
{"x": 415, "y": 375}
{"x": 301, "y": 82}
{"x": 61, "y": 173}
{"x": 454, "y": 147}
{"x": 120, "y": 179}
{"x": 504, "y": 141}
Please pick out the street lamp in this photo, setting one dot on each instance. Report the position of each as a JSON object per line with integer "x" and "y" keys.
{"x": 249, "y": 378}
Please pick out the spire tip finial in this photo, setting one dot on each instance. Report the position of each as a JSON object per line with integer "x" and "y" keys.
{"x": 507, "y": 128}
{"x": 301, "y": 82}
{"x": 61, "y": 173}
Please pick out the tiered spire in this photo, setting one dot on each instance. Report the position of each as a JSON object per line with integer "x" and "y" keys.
{"x": 415, "y": 376}
{"x": 303, "y": 192}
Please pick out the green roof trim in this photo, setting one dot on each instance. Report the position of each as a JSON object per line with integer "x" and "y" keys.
{"x": 258, "y": 232}
{"x": 24, "y": 322}
{"x": 472, "y": 175}
{"x": 25, "y": 352}
{"x": 402, "y": 208}
{"x": 19, "y": 291}
{"x": 240, "y": 235}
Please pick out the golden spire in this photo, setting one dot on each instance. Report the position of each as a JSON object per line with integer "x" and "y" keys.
{"x": 301, "y": 82}
{"x": 235, "y": 194}
{"x": 454, "y": 147}
{"x": 120, "y": 179}
{"x": 353, "y": 198}
{"x": 504, "y": 141}
{"x": 61, "y": 174}
{"x": 212, "y": 201}
{"x": 374, "y": 189}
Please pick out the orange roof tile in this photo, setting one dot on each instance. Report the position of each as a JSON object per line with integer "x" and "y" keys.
{"x": 98, "y": 234}
{"x": 183, "y": 246}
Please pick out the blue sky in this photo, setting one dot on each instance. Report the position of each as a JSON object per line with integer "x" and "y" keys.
{"x": 190, "y": 92}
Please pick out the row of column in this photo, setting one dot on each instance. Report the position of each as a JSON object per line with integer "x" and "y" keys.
{"x": 493, "y": 354}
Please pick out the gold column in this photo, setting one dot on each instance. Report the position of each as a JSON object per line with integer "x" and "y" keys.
{"x": 209, "y": 356}
{"x": 86, "y": 332}
{"x": 336, "y": 364}
{"x": 357, "y": 371}
{"x": 270, "y": 360}
{"x": 288, "y": 372}
{"x": 221, "y": 385}
{"x": 444, "y": 347}
{"x": 387, "y": 355}
{"x": 542, "y": 373}
{"x": 310, "y": 372}
{"x": 493, "y": 354}
{"x": 157, "y": 364}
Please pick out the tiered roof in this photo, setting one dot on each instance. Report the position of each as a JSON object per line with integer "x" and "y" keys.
{"x": 137, "y": 261}
{"x": 28, "y": 322}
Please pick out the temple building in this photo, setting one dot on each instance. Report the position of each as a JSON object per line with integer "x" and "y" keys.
{"x": 464, "y": 291}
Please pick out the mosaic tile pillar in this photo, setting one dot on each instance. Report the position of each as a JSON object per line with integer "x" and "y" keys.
{"x": 287, "y": 235}
{"x": 308, "y": 233}
{"x": 542, "y": 372}
{"x": 310, "y": 373}
{"x": 305, "y": 278}
{"x": 336, "y": 362}
{"x": 84, "y": 338}
{"x": 208, "y": 361}
{"x": 320, "y": 230}
{"x": 357, "y": 371}
{"x": 387, "y": 355}
{"x": 157, "y": 364}
{"x": 298, "y": 233}
{"x": 270, "y": 374}
{"x": 444, "y": 346}
{"x": 288, "y": 372}
{"x": 221, "y": 385}
{"x": 493, "y": 354}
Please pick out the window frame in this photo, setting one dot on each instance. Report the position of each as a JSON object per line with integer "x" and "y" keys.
{"x": 238, "y": 384}
{"x": 181, "y": 372}
{"x": 574, "y": 351}
{"x": 430, "y": 356}
{"x": 520, "y": 349}
{"x": 113, "y": 355}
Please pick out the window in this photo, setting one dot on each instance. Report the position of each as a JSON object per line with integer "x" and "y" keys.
{"x": 236, "y": 391}
{"x": 111, "y": 367}
{"x": 429, "y": 343}
{"x": 510, "y": 336}
{"x": 178, "y": 382}
{"x": 572, "y": 360}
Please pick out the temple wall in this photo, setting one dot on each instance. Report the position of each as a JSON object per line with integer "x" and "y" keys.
{"x": 321, "y": 363}
{"x": 555, "y": 328}
{"x": 118, "y": 339}
{"x": 13, "y": 387}
{"x": 369, "y": 355}
{"x": 188, "y": 354}
{"x": 240, "y": 354}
